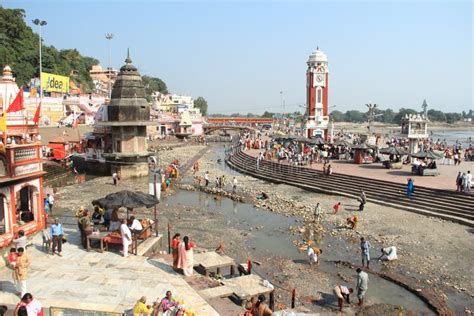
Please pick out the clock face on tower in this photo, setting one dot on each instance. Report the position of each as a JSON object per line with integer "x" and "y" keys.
{"x": 318, "y": 80}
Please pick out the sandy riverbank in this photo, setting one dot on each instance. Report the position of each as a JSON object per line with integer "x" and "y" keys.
{"x": 434, "y": 258}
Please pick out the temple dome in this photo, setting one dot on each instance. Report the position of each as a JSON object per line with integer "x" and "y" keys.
{"x": 317, "y": 56}
{"x": 128, "y": 88}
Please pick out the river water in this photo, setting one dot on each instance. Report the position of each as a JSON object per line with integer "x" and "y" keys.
{"x": 272, "y": 239}
{"x": 465, "y": 137}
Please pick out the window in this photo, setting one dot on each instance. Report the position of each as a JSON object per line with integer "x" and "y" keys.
{"x": 319, "y": 97}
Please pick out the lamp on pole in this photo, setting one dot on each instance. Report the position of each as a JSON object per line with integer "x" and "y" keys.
{"x": 40, "y": 23}
{"x": 109, "y": 37}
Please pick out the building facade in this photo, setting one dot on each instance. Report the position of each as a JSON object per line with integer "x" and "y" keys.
{"x": 21, "y": 173}
{"x": 317, "y": 87}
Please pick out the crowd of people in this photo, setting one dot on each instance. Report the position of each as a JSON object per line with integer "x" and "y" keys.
{"x": 166, "y": 306}
{"x": 19, "y": 262}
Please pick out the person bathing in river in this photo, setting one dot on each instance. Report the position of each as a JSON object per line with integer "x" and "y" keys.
{"x": 352, "y": 221}
{"x": 337, "y": 207}
{"x": 343, "y": 294}
{"x": 389, "y": 253}
{"x": 362, "y": 285}
{"x": 365, "y": 249}
{"x": 318, "y": 211}
{"x": 313, "y": 253}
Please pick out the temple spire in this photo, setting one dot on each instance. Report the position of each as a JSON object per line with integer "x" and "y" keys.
{"x": 128, "y": 60}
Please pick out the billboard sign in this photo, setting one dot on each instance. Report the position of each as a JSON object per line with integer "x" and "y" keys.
{"x": 54, "y": 83}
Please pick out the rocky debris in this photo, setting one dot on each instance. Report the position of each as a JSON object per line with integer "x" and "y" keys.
{"x": 214, "y": 191}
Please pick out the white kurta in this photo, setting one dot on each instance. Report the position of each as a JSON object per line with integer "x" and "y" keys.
{"x": 391, "y": 253}
{"x": 34, "y": 307}
{"x": 125, "y": 232}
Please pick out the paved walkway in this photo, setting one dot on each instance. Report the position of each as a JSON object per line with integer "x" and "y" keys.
{"x": 99, "y": 281}
{"x": 445, "y": 181}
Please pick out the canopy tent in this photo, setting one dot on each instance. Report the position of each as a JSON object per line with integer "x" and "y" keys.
{"x": 430, "y": 154}
{"x": 397, "y": 151}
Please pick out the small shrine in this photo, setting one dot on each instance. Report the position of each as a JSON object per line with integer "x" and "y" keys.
{"x": 185, "y": 126}
{"x": 123, "y": 128}
{"x": 415, "y": 128}
{"x": 21, "y": 165}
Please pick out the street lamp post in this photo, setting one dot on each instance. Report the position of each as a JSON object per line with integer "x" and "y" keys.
{"x": 109, "y": 37}
{"x": 40, "y": 23}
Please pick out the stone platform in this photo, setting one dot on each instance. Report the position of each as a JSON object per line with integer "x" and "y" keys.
{"x": 98, "y": 281}
{"x": 445, "y": 181}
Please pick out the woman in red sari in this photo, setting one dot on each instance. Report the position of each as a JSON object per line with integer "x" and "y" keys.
{"x": 174, "y": 249}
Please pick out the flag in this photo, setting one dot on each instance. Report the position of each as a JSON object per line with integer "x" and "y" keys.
{"x": 3, "y": 123}
{"x": 36, "y": 118}
{"x": 17, "y": 104}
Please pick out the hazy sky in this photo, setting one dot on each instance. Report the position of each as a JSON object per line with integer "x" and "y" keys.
{"x": 239, "y": 55}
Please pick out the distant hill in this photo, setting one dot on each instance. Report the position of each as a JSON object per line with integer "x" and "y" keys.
{"x": 20, "y": 49}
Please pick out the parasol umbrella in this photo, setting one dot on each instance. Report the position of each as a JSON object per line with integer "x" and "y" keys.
{"x": 397, "y": 151}
{"x": 128, "y": 199}
{"x": 430, "y": 154}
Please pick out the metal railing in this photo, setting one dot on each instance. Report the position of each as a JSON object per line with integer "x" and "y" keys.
{"x": 136, "y": 241}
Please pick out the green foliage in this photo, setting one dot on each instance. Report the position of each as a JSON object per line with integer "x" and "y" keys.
{"x": 355, "y": 116}
{"x": 436, "y": 116}
{"x": 153, "y": 84}
{"x": 201, "y": 104}
{"x": 337, "y": 116}
{"x": 267, "y": 114}
{"x": 387, "y": 116}
{"x": 401, "y": 114}
{"x": 20, "y": 49}
{"x": 453, "y": 117}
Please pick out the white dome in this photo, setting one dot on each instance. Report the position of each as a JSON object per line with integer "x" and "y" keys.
{"x": 317, "y": 56}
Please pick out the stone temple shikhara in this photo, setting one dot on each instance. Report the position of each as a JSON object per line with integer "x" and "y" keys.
{"x": 124, "y": 124}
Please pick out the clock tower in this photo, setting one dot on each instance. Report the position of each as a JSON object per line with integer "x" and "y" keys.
{"x": 317, "y": 116}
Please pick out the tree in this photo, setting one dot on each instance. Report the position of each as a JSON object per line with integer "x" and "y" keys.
{"x": 153, "y": 84}
{"x": 20, "y": 46}
{"x": 267, "y": 114}
{"x": 201, "y": 104}
{"x": 401, "y": 114}
{"x": 355, "y": 116}
{"x": 436, "y": 116}
{"x": 453, "y": 117}
{"x": 388, "y": 116}
{"x": 337, "y": 116}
